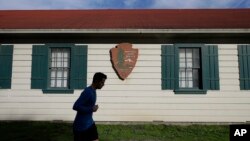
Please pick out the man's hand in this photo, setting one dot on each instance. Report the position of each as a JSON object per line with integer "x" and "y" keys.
{"x": 95, "y": 108}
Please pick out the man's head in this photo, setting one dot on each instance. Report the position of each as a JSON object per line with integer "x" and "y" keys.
{"x": 99, "y": 80}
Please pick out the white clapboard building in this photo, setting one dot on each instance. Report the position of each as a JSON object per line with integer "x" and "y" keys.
{"x": 192, "y": 65}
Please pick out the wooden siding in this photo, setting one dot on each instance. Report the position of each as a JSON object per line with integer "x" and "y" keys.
{"x": 138, "y": 98}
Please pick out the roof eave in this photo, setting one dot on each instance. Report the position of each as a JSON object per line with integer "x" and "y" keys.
{"x": 167, "y": 31}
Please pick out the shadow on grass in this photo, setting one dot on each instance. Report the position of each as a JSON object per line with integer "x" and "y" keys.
{"x": 35, "y": 131}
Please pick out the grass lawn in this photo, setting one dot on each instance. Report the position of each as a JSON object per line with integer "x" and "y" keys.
{"x": 51, "y": 131}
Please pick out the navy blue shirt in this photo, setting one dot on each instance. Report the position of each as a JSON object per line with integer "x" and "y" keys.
{"x": 84, "y": 107}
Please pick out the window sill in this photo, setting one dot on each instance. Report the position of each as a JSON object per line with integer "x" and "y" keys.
{"x": 190, "y": 91}
{"x": 58, "y": 91}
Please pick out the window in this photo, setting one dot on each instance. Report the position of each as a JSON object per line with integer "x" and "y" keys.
{"x": 6, "y": 58}
{"x": 190, "y": 68}
{"x": 244, "y": 66}
{"x": 59, "y": 68}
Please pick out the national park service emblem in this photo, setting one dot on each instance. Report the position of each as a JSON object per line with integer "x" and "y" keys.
{"x": 123, "y": 58}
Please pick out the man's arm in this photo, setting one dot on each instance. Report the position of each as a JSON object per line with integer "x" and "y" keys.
{"x": 79, "y": 104}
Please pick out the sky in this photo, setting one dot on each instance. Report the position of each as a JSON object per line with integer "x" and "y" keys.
{"x": 121, "y": 4}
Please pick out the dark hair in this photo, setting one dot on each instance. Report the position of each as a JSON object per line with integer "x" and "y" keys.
{"x": 99, "y": 76}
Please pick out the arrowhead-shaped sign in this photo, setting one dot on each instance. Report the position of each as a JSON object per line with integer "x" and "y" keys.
{"x": 123, "y": 58}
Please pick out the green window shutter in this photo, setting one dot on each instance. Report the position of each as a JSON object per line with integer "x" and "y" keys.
{"x": 212, "y": 67}
{"x": 6, "y": 58}
{"x": 39, "y": 67}
{"x": 167, "y": 59}
{"x": 79, "y": 67}
{"x": 244, "y": 66}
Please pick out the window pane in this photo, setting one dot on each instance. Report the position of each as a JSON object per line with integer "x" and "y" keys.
{"x": 182, "y": 84}
{"x": 58, "y": 53}
{"x": 189, "y": 78}
{"x": 182, "y": 63}
{"x": 196, "y": 63}
{"x": 189, "y": 53}
{"x": 196, "y": 57}
{"x": 182, "y": 53}
{"x": 58, "y": 83}
{"x": 189, "y": 74}
{"x": 196, "y": 78}
{"x": 182, "y": 73}
{"x": 189, "y": 58}
{"x": 182, "y": 78}
{"x": 66, "y": 62}
{"x": 196, "y": 53}
{"x": 189, "y": 63}
{"x": 65, "y": 83}
{"x": 52, "y": 83}
{"x": 60, "y": 74}
{"x": 53, "y": 74}
{"x": 182, "y": 58}
{"x": 65, "y": 54}
{"x": 65, "y": 74}
{"x": 59, "y": 63}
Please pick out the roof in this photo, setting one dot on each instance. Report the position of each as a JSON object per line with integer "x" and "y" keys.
{"x": 126, "y": 19}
